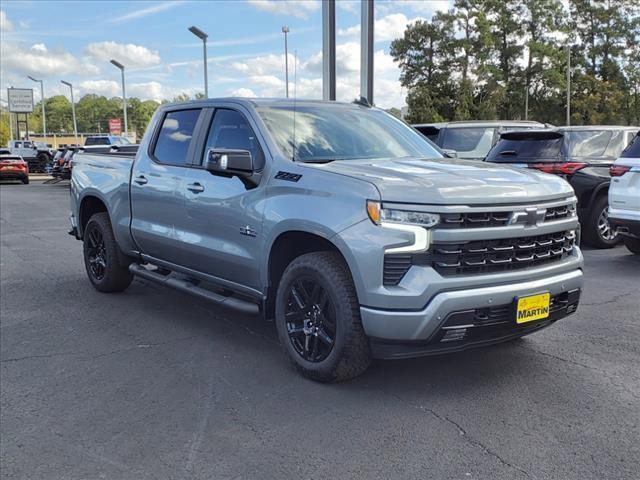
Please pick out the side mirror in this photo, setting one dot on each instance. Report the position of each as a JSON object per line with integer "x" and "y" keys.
{"x": 232, "y": 163}
{"x": 450, "y": 153}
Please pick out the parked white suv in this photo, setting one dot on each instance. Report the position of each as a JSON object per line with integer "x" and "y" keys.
{"x": 624, "y": 195}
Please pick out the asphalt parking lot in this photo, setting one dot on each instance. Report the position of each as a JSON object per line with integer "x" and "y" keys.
{"x": 154, "y": 384}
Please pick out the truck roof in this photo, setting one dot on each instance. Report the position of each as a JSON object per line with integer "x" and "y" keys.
{"x": 479, "y": 123}
{"x": 256, "y": 102}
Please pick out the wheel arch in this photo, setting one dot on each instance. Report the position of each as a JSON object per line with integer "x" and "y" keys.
{"x": 287, "y": 246}
{"x": 90, "y": 204}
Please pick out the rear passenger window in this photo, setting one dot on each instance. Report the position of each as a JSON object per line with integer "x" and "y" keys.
{"x": 176, "y": 134}
{"x": 231, "y": 130}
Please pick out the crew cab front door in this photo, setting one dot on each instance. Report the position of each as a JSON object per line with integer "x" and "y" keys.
{"x": 158, "y": 185}
{"x": 223, "y": 221}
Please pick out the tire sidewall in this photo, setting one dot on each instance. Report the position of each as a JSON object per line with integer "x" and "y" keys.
{"x": 594, "y": 238}
{"x": 294, "y": 271}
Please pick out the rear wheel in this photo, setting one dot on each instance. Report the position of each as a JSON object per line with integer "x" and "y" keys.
{"x": 318, "y": 319}
{"x": 25, "y": 180}
{"x": 632, "y": 244}
{"x": 101, "y": 256}
{"x": 42, "y": 160}
{"x": 598, "y": 232}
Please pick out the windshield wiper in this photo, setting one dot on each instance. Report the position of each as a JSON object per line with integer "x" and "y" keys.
{"x": 508, "y": 152}
{"x": 317, "y": 160}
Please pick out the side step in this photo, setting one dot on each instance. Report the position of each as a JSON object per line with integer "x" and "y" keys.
{"x": 180, "y": 283}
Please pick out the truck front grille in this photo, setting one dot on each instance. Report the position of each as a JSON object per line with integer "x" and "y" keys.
{"x": 484, "y": 256}
{"x": 497, "y": 219}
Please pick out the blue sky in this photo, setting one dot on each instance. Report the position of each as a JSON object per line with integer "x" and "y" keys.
{"x": 75, "y": 40}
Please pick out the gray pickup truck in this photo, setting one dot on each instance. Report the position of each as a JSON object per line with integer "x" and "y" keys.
{"x": 337, "y": 221}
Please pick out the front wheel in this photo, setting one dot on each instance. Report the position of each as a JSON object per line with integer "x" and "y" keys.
{"x": 632, "y": 244}
{"x": 598, "y": 232}
{"x": 318, "y": 319}
{"x": 101, "y": 256}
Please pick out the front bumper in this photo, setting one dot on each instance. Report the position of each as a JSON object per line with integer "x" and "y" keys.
{"x": 408, "y": 333}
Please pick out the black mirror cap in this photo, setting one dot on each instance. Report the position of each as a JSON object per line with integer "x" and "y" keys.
{"x": 228, "y": 161}
{"x": 233, "y": 163}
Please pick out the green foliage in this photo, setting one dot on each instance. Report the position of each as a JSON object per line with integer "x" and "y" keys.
{"x": 92, "y": 114}
{"x": 478, "y": 60}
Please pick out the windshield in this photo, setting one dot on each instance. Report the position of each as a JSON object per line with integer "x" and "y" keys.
{"x": 520, "y": 151}
{"x": 588, "y": 143}
{"x": 469, "y": 142}
{"x": 121, "y": 141}
{"x": 342, "y": 132}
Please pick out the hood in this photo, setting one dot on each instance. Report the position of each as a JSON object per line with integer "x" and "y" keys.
{"x": 451, "y": 181}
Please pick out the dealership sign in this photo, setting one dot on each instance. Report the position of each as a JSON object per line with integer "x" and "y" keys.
{"x": 20, "y": 100}
{"x": 115, "y": 126}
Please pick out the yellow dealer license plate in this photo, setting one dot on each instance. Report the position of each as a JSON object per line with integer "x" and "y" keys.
{"x": 532, "y": 308}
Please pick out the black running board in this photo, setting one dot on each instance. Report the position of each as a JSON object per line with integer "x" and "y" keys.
{"x": 184, "y": 285}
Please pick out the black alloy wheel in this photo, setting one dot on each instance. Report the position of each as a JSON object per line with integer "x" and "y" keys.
{"x": 96, "y": 253}
{"x": 310, "y": 318}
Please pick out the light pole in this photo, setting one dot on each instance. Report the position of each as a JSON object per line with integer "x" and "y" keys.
{"x": 124, "y": 96}
{"x": 73, "y": 110}
{"x": 285, "y": 30}
{"x": 44, "y": 118}
{"x": 568, "y": 85}
{"x": 203, "y": 36}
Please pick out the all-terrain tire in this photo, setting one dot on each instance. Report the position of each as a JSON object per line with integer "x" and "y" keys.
{"x": 101, "y": 258}
{"x": 350, "y": 355}
{"x": 593, "y": 229}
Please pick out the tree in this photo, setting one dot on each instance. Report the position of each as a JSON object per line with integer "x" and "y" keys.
{"x": 480, "y": 59}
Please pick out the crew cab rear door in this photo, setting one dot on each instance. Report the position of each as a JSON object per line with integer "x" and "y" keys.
{"x": 158, "y": 184}
{"x": 223, "y": 216}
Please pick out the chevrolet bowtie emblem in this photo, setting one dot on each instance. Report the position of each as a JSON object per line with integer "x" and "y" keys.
{"x": 529, "y": 216}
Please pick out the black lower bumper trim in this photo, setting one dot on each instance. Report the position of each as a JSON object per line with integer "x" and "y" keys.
{"x": 475, "y": 328}
{"x": 626, "y": 227}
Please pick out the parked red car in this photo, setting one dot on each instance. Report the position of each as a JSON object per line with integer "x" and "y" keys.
{"x": 13, "y": 167}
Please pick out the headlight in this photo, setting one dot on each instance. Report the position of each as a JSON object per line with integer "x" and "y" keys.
{"x": 416, "y": 223}
{"x": 380, "y": 215}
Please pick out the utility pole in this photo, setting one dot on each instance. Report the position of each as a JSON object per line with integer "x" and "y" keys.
{"x": 568, "y": 121}
{"x": 329, "y": 50}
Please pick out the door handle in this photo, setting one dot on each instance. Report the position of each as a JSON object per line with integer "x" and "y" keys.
{"x": 141, "y": 180}
{"x": 195, "y": 187}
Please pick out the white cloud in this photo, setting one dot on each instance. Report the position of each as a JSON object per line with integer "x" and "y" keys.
{"x": 5, "y": 23}
{"x": 108, "y": 88}
{"x": 265, "y": 76}
{"x": 38, "y": 60}
{"x": 386, "y": 28}
{"x": 242, "y": 92}
{"x": 128, "y": 54}
{"x": 143, "y": 12}
{"x": 425, "y": 7}
{"x": 295, "y": 8}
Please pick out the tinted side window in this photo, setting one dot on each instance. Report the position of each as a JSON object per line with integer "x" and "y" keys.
{"x": 231, "y": 130}
{"x": 633, "y": 150}
{"x": 175, "y": 137}
{"x": 471, "y": 141}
